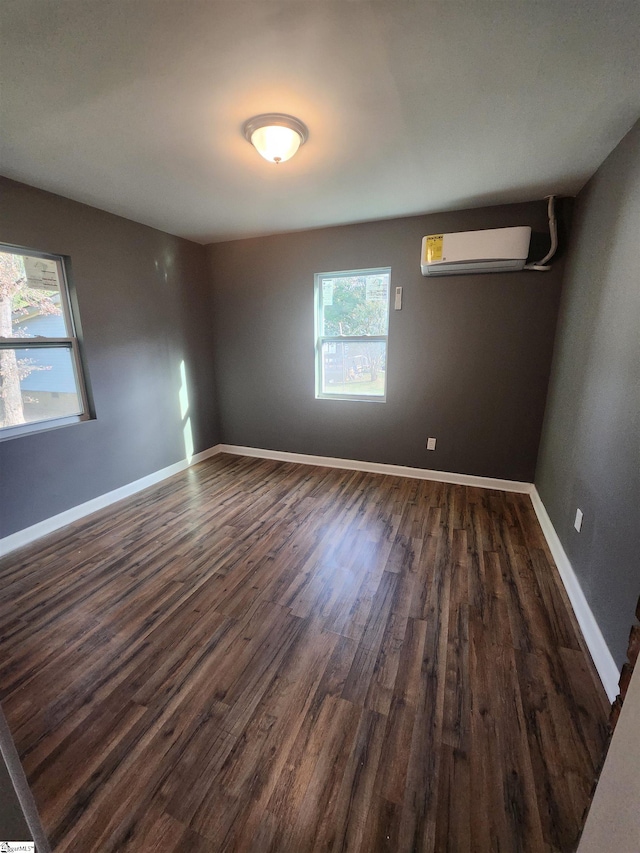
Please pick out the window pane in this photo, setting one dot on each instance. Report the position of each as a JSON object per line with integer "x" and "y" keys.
{"x": 36, "y": 384}
{"x": 355, "y": 305}
{"x": 30, "y": 301}
{"x": 354, "y": 369}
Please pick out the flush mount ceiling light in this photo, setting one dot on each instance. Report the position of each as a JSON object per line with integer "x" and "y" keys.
{"x": 275, "y": 136}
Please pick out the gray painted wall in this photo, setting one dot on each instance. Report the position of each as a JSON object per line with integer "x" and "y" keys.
{"x": 590, "y": 450}
{"x": 13, "y": 826}
{"x": 469, "y": 356}
{"x": 19, "y": 819}
{"x": 144, "y": 307}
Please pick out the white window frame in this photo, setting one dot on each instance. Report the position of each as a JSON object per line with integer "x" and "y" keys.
{"x": 321, "y": 338}
{"x": 41, "y": 342}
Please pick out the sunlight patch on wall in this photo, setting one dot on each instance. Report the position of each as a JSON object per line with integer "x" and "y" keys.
{"x": 183, "y": 397}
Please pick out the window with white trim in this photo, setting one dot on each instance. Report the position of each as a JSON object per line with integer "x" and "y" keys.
{"x": 41, "y": 380}
{"x": 352, "y": 324}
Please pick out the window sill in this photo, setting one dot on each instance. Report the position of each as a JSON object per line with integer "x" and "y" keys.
{"x": 351, "y": 399}
{"x": 8, "y": 433}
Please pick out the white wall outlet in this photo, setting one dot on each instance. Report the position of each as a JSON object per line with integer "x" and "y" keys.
{"x": 398, "y": 302}
{"x": 431, "y": 444}
{"x": 578, "y": 522}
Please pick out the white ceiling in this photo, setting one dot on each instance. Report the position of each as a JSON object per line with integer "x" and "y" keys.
{"x": 136, "y": 106}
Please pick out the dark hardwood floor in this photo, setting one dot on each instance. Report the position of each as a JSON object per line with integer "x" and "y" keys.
{"x": 268, "y": 657}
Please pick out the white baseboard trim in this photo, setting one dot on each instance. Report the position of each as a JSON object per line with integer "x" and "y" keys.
{"x": 602, "y": 658}
{"x": 50, "y": 525}
{"x": 598, "y": 648}
{"x": 204, "y": 454}
{"x": 596, "y": 644}
{"x": 380, "y": 468}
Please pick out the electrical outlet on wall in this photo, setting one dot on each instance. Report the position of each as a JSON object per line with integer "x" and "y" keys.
{"x": 578, "y": 522}
{"x": 431, "y": 444}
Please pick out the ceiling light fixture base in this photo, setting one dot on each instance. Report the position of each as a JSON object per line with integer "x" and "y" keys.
{"x": 275, "y": 120}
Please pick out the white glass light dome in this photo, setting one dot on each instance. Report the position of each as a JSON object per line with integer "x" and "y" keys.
{"x": 276, "y": 136}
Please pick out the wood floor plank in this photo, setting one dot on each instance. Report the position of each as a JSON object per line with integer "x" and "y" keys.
{"x": 264, "y": 657}
{"x": 151, "y": 830}
{"x": 343, "y": 825}
{"x": 453, "y": 817}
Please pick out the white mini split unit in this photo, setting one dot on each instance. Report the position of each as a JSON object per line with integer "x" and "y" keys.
{"x": 492, "y": 250}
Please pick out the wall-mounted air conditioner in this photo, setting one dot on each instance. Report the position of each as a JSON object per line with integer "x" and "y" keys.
{"x": 492, "y": 250}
